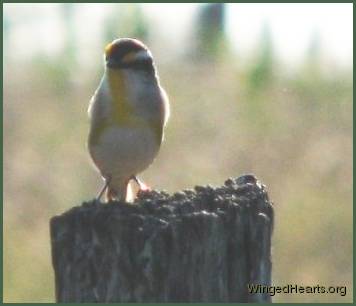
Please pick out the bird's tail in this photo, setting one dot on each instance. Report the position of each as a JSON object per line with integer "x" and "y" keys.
{"x": 121, "y": 192}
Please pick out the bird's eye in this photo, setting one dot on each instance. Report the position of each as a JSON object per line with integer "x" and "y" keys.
{"x": 142, "y": 64}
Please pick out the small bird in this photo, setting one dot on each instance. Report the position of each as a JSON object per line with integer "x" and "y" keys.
{"x": 128, "y": 113}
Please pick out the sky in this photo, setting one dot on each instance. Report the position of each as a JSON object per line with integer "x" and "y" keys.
{"x": 292, "y": 27}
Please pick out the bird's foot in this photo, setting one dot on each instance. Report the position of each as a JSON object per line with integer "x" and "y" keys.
{"x": 105, "y": 187}
{"x": 142, "y": 186}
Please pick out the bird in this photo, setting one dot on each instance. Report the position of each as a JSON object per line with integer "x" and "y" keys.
{"x": 128, "y": 114}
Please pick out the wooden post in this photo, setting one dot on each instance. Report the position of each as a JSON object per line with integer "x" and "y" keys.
{"x": 202, "y": 245}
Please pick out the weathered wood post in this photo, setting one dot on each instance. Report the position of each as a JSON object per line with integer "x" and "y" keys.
{"x": 202, "y": 245}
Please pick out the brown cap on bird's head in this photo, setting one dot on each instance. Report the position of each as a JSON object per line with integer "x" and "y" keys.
{"x": 120, "y": 53}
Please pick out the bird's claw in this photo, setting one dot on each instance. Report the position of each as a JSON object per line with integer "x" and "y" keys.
{"x": 142, "y": 186}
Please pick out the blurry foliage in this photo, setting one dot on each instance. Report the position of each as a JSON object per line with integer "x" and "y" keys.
{"x": 58, "y": 72}
{"x": 261, "y": 73}
{"x": 6, "y": 25}
{"x": 260, "y": 79}
{"x": 313, "y": 56}
{"x": 68, "y": 11}
{"x": 120, "y": 23}
{"x": 210, "y": 37}
{"x": 294, "y": 133}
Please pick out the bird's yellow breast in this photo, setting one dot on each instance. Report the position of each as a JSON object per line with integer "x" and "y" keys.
{"x": 121, "y": 108}
{"x": 123, "y": 112}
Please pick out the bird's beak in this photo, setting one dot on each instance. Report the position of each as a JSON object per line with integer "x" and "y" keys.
{"x": 111, "y": 63}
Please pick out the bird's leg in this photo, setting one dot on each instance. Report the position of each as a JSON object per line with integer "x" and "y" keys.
{"x": 100, "y": 194}
{"x": 141, "y": 185}
{"x": 111, "y": 194}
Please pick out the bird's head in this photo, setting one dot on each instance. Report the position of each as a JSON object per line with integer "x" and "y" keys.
{"x": 128, "y": 53}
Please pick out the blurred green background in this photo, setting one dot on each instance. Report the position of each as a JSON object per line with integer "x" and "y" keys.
{"x": 244, "y": 99}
